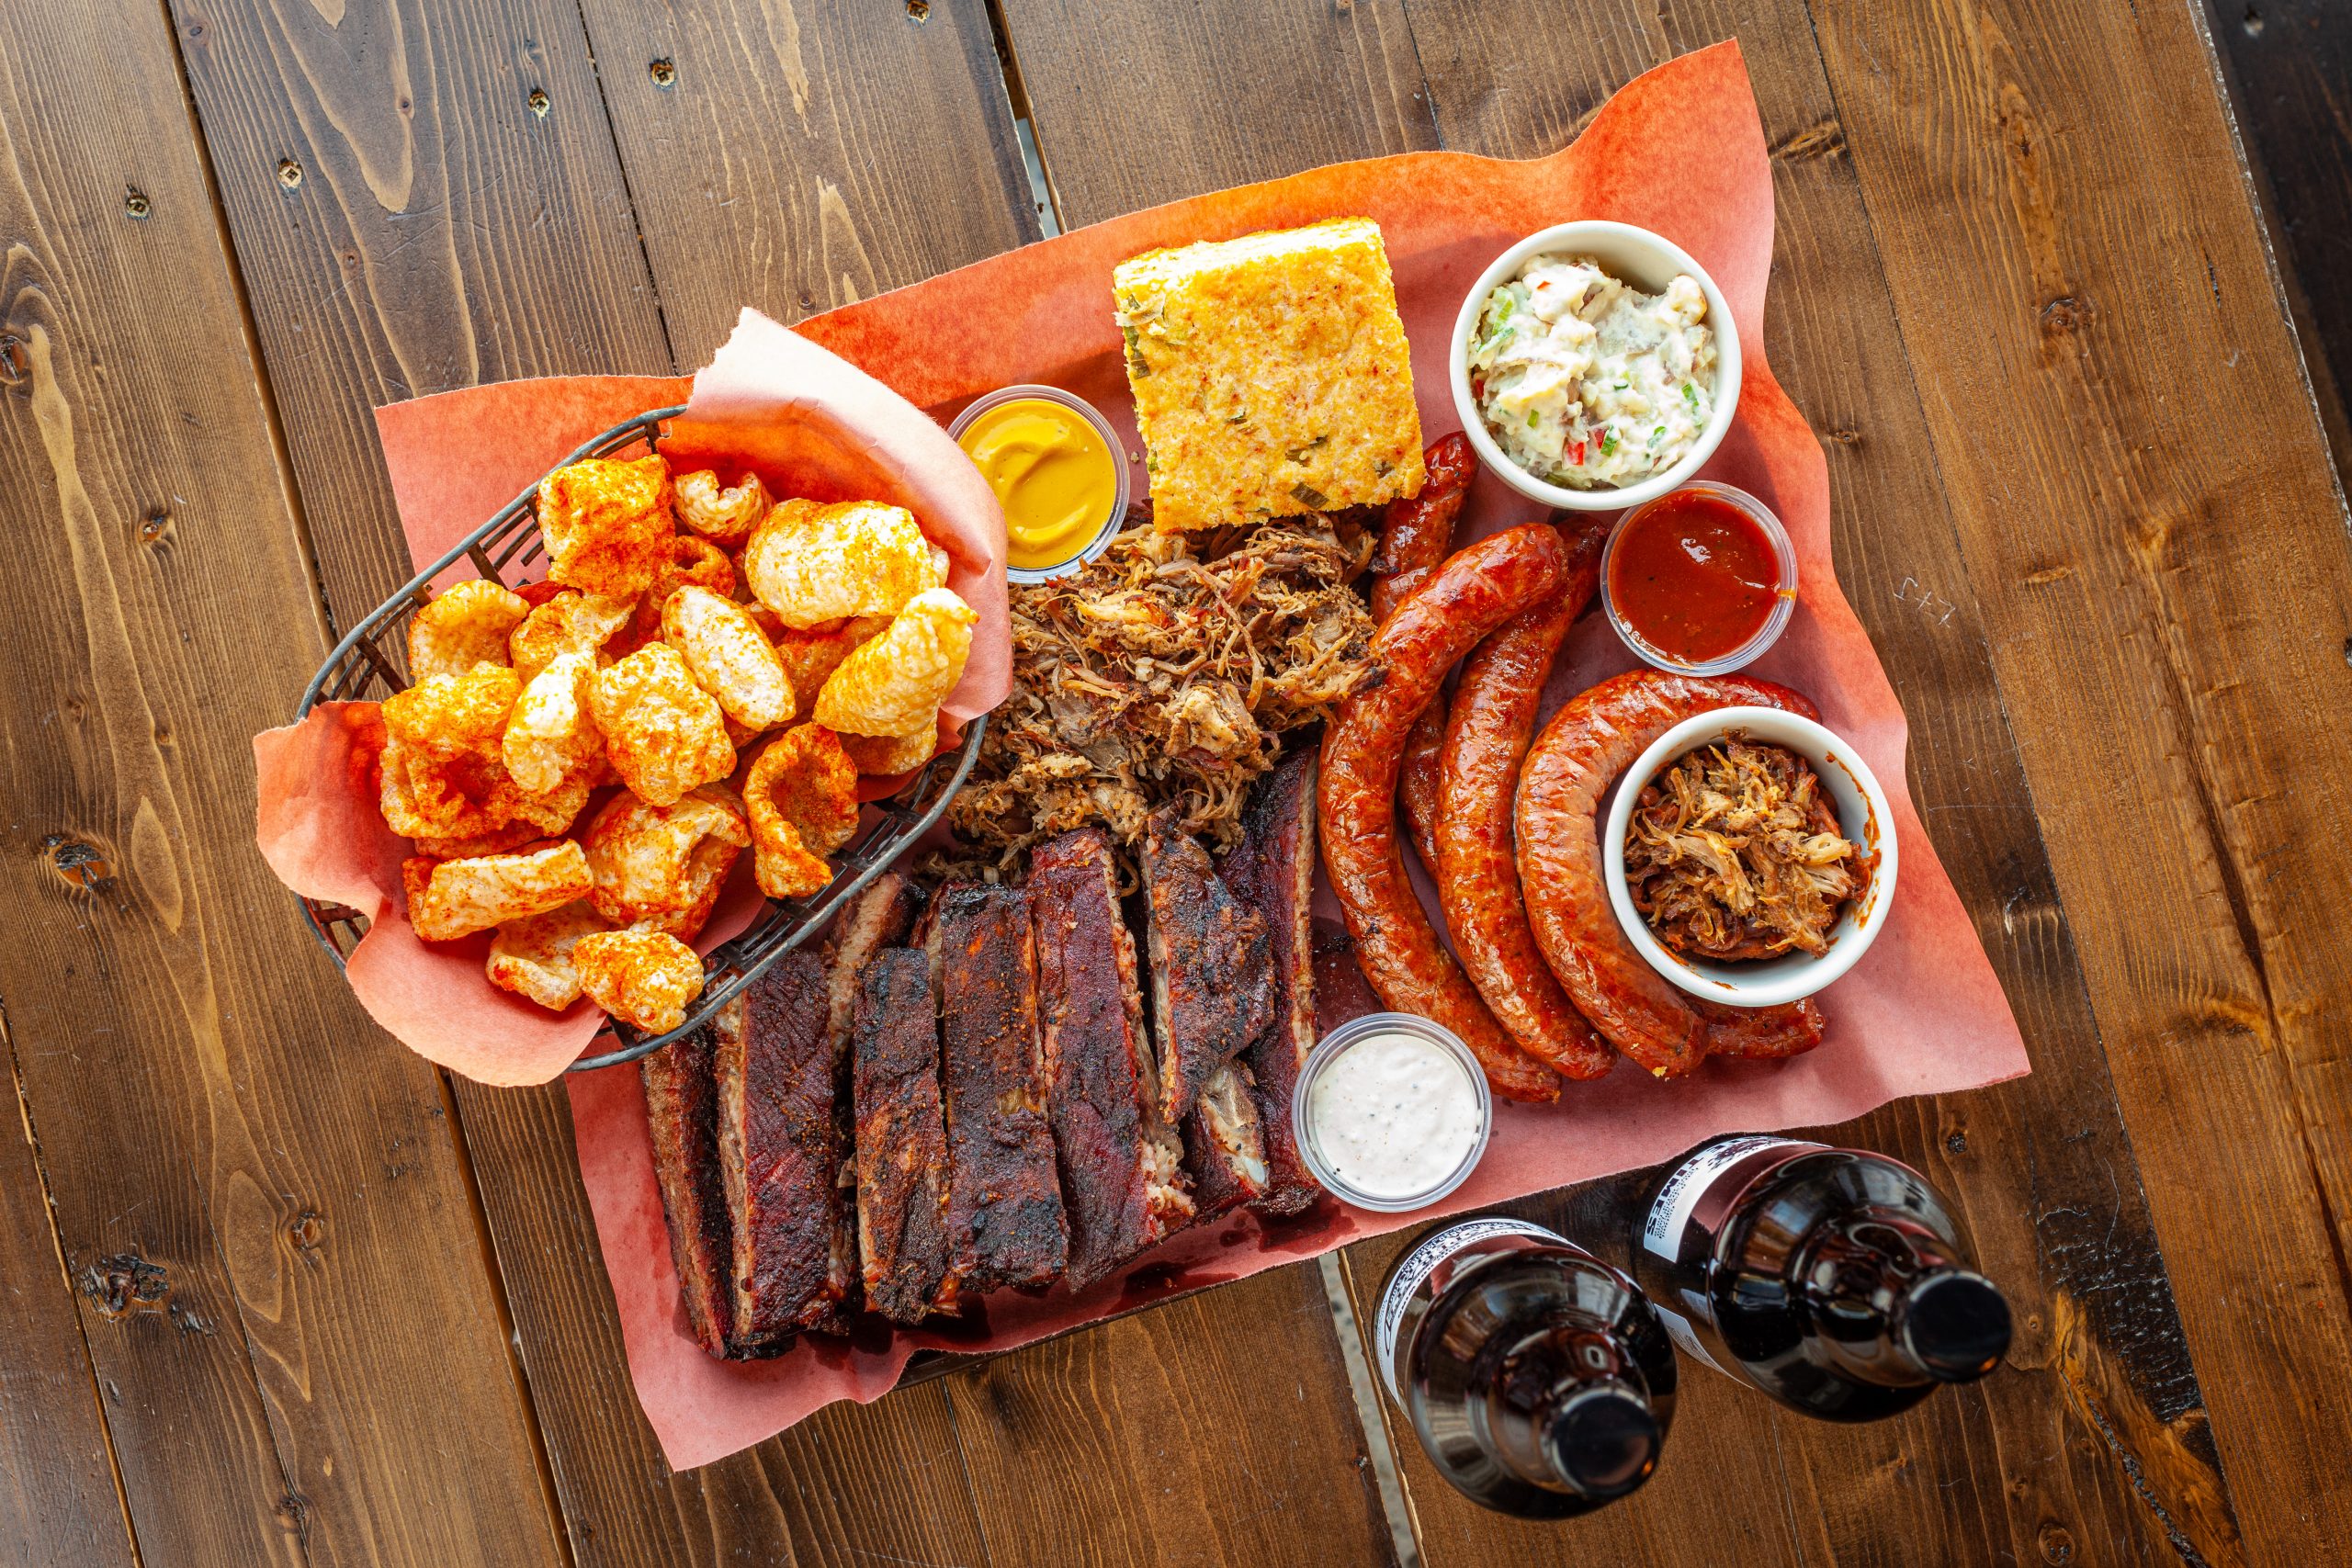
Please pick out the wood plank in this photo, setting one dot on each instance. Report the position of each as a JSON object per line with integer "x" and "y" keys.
{"x": 2164, "y": 567}
{"x": 422, "y": 196}
{"x": 57, "y": 1501}
{"x": 1208, "y": 1430}
{"x": 1139, "y": 105}
{"x": 799, "y": 157}
{"x": 1503, "y": 81}
{"x": 2290, "y": 64}
{"x": 265, "y": 1225}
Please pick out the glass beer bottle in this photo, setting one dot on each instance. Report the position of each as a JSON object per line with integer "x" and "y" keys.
{"x": 1536, "y": 1377}
{"x": 1833, "y": 1280}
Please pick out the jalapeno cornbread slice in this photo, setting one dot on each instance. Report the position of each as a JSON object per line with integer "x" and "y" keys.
{"x": 1270, "y": 375}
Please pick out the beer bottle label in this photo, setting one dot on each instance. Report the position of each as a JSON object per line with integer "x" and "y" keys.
{"x": 1435, "y": 1251}
{"x": 1685, "y": 1337}
{"x": 1720, "y": 1170}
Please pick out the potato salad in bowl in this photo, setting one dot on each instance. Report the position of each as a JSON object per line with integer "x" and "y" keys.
{"x": 1588, "y": 383}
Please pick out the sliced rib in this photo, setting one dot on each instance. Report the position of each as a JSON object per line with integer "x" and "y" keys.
{"x": 1212, "y": 964}
{"x": 1122, "y": 1168}
{"x": 1004, "y": 1202}
{"x": 1273, "y": 870}
{"x": 902, "y": 1139}
{"x": 779, "y": 1158}
{"x": 682, "y": 1114}
{"x": 1224, "y": 1147}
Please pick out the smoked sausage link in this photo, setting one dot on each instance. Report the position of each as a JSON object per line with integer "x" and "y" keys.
{"x": 1585, "y": 747}
{"x": 1469, "y": 596}
{"x": 1486, "y": 731}
{"x": 1420, "y": 535}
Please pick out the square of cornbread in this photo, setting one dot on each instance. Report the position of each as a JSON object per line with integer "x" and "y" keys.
{"x": 1270, "y": 375}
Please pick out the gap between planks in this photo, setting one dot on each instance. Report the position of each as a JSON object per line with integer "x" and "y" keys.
{"x": 65, "y": 1277}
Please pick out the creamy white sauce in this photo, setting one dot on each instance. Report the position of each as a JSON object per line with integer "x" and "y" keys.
{"x": 1393, "y": 1115}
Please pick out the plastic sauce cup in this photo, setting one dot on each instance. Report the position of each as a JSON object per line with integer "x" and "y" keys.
{"x": 1336, "y": 1045}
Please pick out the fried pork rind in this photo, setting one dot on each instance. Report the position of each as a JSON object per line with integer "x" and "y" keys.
{"x": 496, "y": 841}
{"x": 894, "y": 684}
{"x": 1161, "y": 672}
{"x": 442, "y": 774}
{"x": 653, "y": 862}
{"x": 532, "y": 956}
{"x": 886, "y": 754}
{"x": 811, "y": 564}
{"x": 607, "y": 523}
{"x": 465, "y": 625}
{"x": 728, "y": 654}
{"x": 725, "y": 517}
{"x": 687, "y": 560}
{"x": 663, "y": 733}
{"x": 551, "y": 735}
{"x": 809, "y": 658}
{"x": 570, "y": 622}
{"x": 641, "y": 977}
{"x": 802, "y": 797}
{"x": 461, "y": 896}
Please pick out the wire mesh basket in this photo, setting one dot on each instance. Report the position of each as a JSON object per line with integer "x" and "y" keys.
{"x": 370, "y": 663}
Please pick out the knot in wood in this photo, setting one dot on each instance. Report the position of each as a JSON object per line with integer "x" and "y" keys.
{"x": 307, "y": 1231}
{"x": 80, "y": 864}
{"x": 2066, "y": 314}
{"x": 123, "y": 1283}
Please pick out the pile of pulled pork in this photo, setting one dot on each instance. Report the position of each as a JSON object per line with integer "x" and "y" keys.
{"x": 1734, "y": 852}
{"x": 1165, "y": 670}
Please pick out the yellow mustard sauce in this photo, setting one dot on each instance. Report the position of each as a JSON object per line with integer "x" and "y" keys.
{"x": 1052, "y": 472}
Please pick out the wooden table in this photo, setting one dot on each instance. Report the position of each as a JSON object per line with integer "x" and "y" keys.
{"x": 273, "y": 1291}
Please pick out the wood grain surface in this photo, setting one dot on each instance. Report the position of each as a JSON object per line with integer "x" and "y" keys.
{"x": 57, "y": 1490}
{"x": 2292, "y": 62}
{"x": 2168, "y": 621}
{"x": 267, "y": 1230}
{"x": 2083, "y": 502}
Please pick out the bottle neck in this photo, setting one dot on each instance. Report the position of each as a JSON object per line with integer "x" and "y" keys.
{"x": 1570, "y": 1411}
{"x": 1893, "y": 1304}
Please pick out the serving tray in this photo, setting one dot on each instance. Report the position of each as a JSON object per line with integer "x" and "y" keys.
{"x": 370, "y": 663}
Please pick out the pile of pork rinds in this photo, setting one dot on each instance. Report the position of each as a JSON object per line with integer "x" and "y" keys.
{"x": 734, "y": 665}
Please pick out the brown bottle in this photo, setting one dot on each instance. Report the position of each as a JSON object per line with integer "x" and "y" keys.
{"x": 1833, "y": 1280}
{"x": 1536, "y": 1377}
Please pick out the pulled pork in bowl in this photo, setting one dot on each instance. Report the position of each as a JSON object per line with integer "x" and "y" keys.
{"x": 1750, "y": 856}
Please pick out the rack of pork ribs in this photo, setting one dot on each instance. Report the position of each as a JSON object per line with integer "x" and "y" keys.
{"x": 992, "y": 1087}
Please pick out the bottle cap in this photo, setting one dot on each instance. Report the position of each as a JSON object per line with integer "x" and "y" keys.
{"x": 1603, "y": 1441}
{"x": 1956, "y": 1324}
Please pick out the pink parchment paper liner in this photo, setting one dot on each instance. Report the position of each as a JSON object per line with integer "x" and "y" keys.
{"x": 809, "y": 425}
{"x": 1679, "y": 151}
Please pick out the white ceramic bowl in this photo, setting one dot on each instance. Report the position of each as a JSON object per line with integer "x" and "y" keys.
{"x": 1863, "y": 813}
{"x": 1647, "y": 261}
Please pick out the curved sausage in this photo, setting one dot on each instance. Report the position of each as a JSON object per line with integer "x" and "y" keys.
{"x": 1418, "y": 783}
{"x": 1494, "y": 706}
{"x": 1418, "y": 535}
{"x": 1469, "y": 596}
{"x": 1588, "y": 744}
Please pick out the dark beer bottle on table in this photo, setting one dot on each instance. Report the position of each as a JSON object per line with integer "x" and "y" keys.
{"x": 1833, "y": 1280}
{"x": 1535, "y": 1375}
